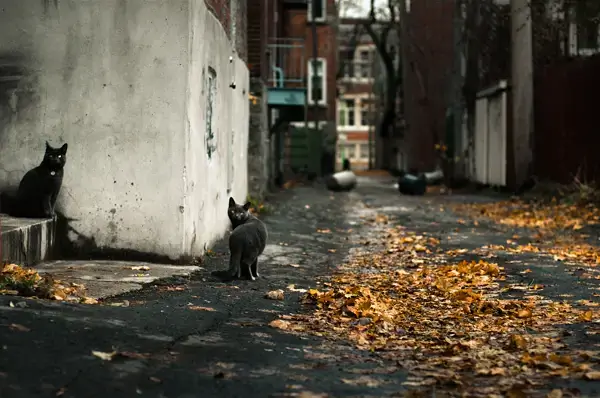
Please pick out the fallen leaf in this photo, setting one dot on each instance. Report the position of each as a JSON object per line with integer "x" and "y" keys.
{"x": 105, "y": 356}
{"x": 140, "y": 268}
{"x": 275, "y": 295}
{"x": 586, "y": 316}
{"x": 200, "y": 308}
{"x": 595, "y": 375}
{"x": 19, "y": 328}
{"x": 524, "y": 313}
{"x": 280, "y": 324}
{"x": 88, "y": 300}
{"x": 556, "y": 393}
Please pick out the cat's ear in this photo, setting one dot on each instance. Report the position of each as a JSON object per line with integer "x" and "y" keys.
{"x": 48, "y": 147}
{"x": 247, "y": 206}
{"x": 231, "y": 202}
{"x": 63, "y": 149}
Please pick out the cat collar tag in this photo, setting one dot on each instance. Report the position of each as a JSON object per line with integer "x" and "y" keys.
{"x": 52, "y": 173}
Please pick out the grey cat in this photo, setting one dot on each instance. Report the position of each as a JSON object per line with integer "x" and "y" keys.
{"x": 246, "y": 242}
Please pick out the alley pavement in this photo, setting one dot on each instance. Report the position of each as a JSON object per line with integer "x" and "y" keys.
{"x": 194, "y": 336}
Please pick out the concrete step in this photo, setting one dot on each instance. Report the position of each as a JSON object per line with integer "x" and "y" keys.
{"x": 26, "y": 241}
{"x": 106, "y": 278}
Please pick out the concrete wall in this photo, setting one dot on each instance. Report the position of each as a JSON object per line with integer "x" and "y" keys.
{"x": 125, "y": 83}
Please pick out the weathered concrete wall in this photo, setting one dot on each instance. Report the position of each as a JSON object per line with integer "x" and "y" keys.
{"x": 258, "y": 142}
{"x": 126, "y": 84}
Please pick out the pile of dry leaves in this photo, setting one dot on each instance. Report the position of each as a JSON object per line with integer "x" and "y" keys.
{"x": 16, "y": 280}
{"x": 556, "y": 225}
{"x": 535, "y": 214}
{"x": 444, "y": 320}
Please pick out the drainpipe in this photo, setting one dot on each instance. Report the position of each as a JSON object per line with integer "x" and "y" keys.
{"x": 315, "y": 48}
{"x": 454, "y": 115}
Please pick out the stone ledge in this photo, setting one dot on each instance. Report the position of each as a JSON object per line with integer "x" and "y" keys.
{"x": 26, "y": 241}
{"x": 106, "y": 278}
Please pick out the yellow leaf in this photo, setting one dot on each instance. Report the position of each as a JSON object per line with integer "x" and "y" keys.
{"x": 555, "y": 394}
{"x": 105, "y": 356}
{"x": 524, "y": 313}
{"x": 595, "y": 375}
{"x": 586, "y": 316}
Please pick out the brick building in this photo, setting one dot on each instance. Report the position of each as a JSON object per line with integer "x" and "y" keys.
{"x": 279, "y": 58}
{"x": 358, "y": 103}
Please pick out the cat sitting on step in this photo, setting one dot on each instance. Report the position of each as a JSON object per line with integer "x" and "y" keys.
{"x": 39, "y": 187}
{"x": 246, "y": 242}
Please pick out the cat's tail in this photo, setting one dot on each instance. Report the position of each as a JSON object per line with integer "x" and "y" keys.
{"x": 233, "y": 270}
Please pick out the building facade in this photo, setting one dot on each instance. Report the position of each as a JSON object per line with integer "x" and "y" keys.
{"x": 301, "y": 87}
{"x": 358, "y": 102}
{"x": 143, "y": 93}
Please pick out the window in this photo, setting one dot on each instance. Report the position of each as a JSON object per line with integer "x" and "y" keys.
{"x": 350, "y": 108}
{"x": 365, "y": 64}
{"x": 348, "y": 151}
{"x": 585, "y": 29}
{"x": 587, "y": 34}
{"x": 364, "y": 151}
{"x": 348, "y": 69}
{"x": 364, "y": 114}
{"x": 347, "y": 112}
{"x": 320, "y": 10}
{"x": 317, "y": 90}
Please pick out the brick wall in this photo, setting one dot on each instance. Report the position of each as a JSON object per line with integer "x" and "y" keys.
{"x": 255, "y": 17}
{"x": 296, "y": 25}
{"x": 222, "y": 10}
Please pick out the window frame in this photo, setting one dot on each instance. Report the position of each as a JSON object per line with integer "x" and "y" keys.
{"x": 366, "y": 108}
{"x": 323, "y": 100}
{"x": 323, "y": 16}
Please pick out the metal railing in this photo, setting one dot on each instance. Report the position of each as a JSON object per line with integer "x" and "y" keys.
{"x": 287, "y": 63}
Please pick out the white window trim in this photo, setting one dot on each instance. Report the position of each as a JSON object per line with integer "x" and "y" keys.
{"x": 341, "y": 105}
{"x": 356, "y": 62}
{"x": 323, "y": 61}
{"x": 353, "y": 129}
{"x": 574, "y": 49}
{"x": 324, "y": 12}
{"x": 309, "y": 124}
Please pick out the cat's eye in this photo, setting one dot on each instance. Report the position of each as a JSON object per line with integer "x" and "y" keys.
{"x": 60, "y": 156}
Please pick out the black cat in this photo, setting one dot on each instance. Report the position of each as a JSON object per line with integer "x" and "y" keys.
{"x": 246, "y": 242}
{"x": 39, "y": 187}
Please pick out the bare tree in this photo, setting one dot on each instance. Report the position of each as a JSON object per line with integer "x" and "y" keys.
{"x": 384, "y": 28}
